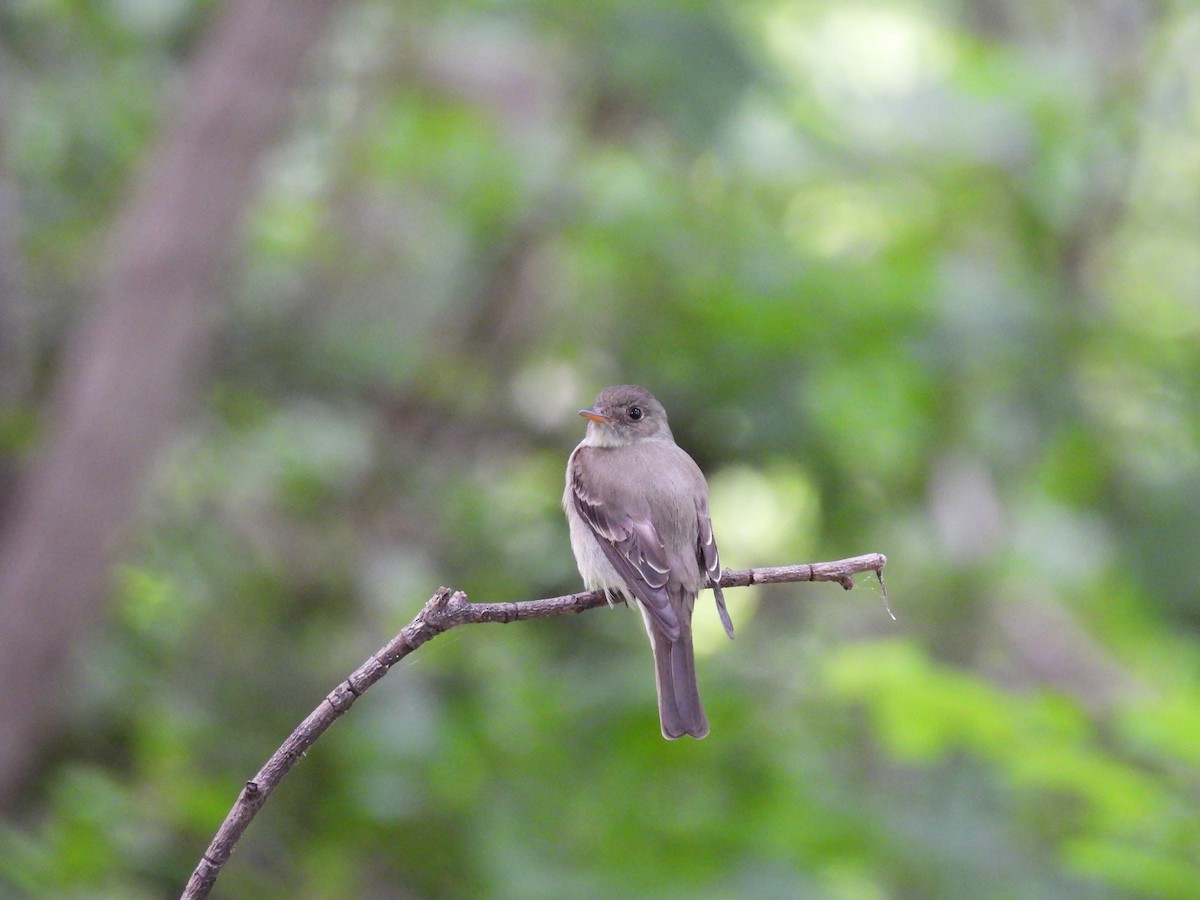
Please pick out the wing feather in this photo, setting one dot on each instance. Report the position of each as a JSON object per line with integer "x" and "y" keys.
{"x": 710, "y": 561}
{"x": 632, "y": 545}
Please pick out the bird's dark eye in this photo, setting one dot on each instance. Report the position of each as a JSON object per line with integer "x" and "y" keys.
{"x": 635, "y": 413}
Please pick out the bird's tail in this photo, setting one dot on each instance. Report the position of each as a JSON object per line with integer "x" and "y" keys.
{"x": 679, "y": 708}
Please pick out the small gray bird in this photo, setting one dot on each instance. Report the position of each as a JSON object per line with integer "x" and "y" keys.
{"x": 637, "y": 506}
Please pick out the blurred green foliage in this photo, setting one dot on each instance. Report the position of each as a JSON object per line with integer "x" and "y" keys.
{"x": 918, "y": 278}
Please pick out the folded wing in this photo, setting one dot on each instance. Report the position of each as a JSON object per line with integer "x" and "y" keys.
{"x": 710, "y": 561}
{"x": 632, "y": 545}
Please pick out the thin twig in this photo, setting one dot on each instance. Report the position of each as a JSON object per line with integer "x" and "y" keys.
{"x": 447, "y": 609}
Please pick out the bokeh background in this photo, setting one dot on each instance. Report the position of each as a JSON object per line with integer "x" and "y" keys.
{"x": 918, "y": 277}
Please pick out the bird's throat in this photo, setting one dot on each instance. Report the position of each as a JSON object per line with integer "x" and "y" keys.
{"x": 604, "y": 436}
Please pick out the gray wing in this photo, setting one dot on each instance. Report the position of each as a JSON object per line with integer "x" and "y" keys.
{"x": 632, "y": 545}
{"x": 710, "y": 560}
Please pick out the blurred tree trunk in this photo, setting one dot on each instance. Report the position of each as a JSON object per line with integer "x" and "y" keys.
{"x": 14, "y": 366}
{"x": 132, "y": 362}
{"x": 14, "y": 370}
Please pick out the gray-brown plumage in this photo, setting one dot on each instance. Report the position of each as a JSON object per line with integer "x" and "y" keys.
{"x": 637, "y": 506}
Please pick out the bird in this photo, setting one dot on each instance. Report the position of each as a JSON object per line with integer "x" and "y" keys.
{"x": 637, "y": 510}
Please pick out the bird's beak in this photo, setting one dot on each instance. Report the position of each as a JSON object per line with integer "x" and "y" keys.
{"x": 593, "y": 415}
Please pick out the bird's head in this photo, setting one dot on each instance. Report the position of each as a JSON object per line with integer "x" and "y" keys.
{"x": 625, "y": 414}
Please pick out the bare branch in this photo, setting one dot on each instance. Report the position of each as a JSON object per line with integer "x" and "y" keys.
{"x": 447, "y": 609}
